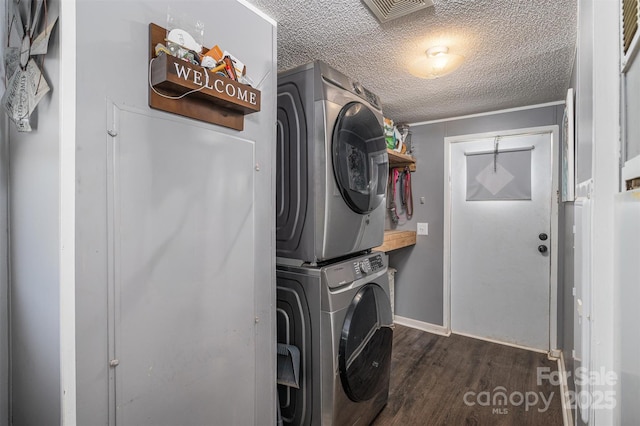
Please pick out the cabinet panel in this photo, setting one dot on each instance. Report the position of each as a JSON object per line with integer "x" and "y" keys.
{"x": 183, "y": 274}
{"x": 627, "y": 235}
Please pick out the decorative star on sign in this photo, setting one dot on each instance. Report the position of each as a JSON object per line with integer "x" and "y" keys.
{"x": 26, "y": 86}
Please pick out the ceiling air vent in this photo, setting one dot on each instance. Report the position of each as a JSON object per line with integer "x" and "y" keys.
{"x": 629, "y": 22}
{"x": 386, "y": 10}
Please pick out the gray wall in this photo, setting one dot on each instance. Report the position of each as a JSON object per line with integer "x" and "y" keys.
{"x": 4, "y": 273}
{"x": 584, "y": 92}
{"x": 419, "y": 279}
{"x": 34, "y": 242}
{"x": 631, "y": 98}
{"x": 118, "y": 30}
{"x": 566, "y": 303}
{"x": 582, "y": 80}
{"x": 4, "y": 247}
{"x": 565, "y": 272}
{"x": 598, "y": 127}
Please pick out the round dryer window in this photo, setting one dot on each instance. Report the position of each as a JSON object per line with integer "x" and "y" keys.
{"x": 365, "y": 344}
{"x": 360, "y": 161}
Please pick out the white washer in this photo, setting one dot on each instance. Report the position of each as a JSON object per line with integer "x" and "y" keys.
{"x": 332, "y": 166}
{"x": 339, "y": 316}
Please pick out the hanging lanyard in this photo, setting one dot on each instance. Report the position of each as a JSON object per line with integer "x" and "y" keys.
{"x": 393, "y": 179}
{"x": 406, "y": 195}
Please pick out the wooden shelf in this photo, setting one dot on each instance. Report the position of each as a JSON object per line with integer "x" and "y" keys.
{"x": 212, "y": 98}
{"x": 395, "y": 239}
{"x": 401, "y": 160}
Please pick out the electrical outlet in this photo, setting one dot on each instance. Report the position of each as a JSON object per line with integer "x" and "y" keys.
{"x": 423, "y": 228}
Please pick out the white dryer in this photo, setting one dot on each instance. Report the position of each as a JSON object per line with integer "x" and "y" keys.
{"x": 332, "y": 165}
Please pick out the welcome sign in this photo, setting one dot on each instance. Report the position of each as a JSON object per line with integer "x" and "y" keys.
{"x": 178, "y": 77}
{"x": 182, "y": 88}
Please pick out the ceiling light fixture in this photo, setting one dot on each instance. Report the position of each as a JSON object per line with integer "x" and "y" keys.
{"x": 437, "y": 62}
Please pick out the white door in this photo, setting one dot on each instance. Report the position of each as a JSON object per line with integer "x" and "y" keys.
{"x": 500, "y": 201}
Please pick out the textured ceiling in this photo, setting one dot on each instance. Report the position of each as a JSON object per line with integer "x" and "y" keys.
{"x": 517, "y": 52}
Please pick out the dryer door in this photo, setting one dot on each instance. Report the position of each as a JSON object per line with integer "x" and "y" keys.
{"x": 291, "y": 169}
{"x": 360, "y": 162}
{"x": 365, "y": 344}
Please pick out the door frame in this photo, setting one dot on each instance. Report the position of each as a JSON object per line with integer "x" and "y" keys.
{"x": 553, "y": 279}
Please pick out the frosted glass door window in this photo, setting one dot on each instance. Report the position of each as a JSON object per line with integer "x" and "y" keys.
{"x": 502, "y": 176}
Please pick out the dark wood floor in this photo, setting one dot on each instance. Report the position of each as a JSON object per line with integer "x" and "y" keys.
{"x": 432, "y": 375}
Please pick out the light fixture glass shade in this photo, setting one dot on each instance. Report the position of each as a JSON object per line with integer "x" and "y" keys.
{"x": 436, "y": 63}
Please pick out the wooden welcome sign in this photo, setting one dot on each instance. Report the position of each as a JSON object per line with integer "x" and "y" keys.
{"x": 218, "y": 99}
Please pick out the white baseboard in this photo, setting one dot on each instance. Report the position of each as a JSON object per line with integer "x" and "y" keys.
{"x": 420, "y": 325}
{"x": 555, "y": 354}
{"x": 513, "y": 345}
{"x": 631, "y": 169}
{"x": 567, "y": 412}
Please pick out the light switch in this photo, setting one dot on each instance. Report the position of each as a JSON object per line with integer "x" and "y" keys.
{"x": 423, "y": 228}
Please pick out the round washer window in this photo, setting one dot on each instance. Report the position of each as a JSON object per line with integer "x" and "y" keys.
{"x": 365, "y": 344}
{"x": 360, "y": 161}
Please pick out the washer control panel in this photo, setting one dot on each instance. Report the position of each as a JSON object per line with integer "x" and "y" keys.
{"x": 368, "y": 265}
{"x": 344, "y": 273}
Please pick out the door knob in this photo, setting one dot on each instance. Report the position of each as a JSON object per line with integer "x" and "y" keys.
{"x": 542, "y": 248}
{"x": 543, "y": 237}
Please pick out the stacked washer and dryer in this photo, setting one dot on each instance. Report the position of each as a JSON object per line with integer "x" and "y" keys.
{"x": 332, "y": 289}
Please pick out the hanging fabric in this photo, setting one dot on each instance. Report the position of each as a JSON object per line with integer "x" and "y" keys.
{"x": 393, "y": 213}
{"x": 406, "y": 194}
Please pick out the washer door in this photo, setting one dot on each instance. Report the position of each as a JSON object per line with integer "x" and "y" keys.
{"x": 365, "y": 345}
{"x": 360, "y": 162}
